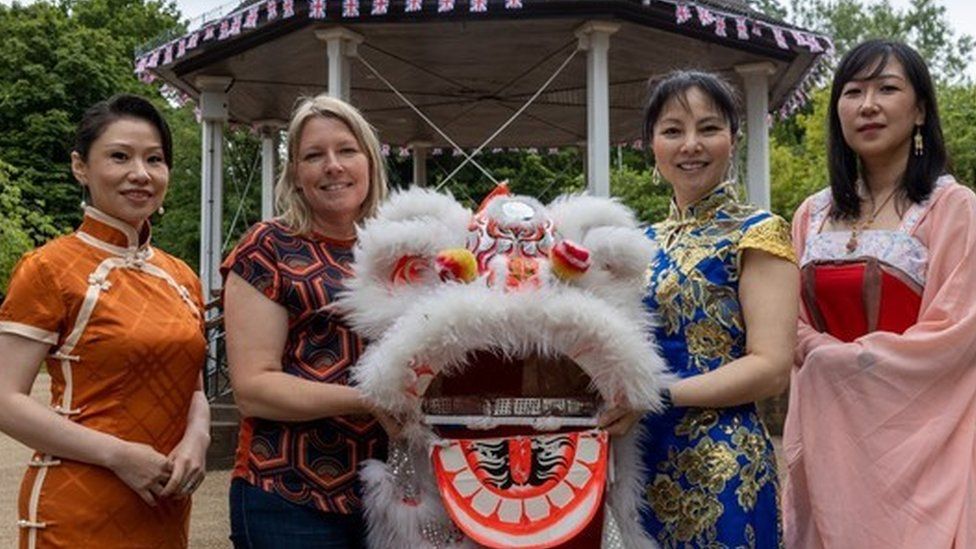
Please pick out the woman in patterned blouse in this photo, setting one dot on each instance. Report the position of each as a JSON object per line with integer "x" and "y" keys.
{"x": 305, "y": 429}
{"x": 724, "y": 289}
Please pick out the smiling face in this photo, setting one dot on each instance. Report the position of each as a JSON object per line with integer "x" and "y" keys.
{"x": 692, "y": 145}
{"x": 332, "y": 172}
{"x": 125, "y": 171}
{"x": 878, "y": 115}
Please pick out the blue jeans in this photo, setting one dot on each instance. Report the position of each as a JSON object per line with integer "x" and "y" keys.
{"x": 262, "y": 520}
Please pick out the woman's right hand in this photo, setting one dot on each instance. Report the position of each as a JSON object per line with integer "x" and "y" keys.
{"x": 142, "y": 469}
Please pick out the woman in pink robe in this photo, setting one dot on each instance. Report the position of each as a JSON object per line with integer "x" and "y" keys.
{"x": 880, "y": 439}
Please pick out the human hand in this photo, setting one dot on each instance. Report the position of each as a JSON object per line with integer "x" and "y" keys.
{"x": 189, "y": 463}
{"x": 142, "y": 469}
{"x": 619, "y": 420}
{"x": 391, "y": 424}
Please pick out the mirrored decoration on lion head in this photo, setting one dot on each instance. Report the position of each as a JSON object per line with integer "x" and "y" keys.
{"x": 497, "y": 337}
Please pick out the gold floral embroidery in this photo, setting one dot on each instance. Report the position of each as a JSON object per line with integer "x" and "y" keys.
{"x": 772, "y": 236}
{"x": 709, "y": 340}
{"x": 696, "y": 422}
{"x": 709, "y": 465}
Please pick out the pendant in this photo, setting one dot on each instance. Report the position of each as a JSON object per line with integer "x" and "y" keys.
{"x": 852, "y": 243}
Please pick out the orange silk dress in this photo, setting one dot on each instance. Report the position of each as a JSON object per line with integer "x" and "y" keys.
{"x": 124, "y": 323}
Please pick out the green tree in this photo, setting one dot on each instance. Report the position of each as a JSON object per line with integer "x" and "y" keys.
{"x": 16, "y": 219}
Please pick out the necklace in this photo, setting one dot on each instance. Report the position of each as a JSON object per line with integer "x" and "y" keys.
{"x": 858, "y": 228}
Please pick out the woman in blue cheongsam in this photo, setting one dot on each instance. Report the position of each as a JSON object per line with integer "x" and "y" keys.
{"x": 724, "y": 288}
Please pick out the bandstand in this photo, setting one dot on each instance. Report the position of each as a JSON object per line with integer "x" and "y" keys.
{"x": 474, "y": 75}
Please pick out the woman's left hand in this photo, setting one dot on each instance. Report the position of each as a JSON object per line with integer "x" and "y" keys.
{"x": 189, "y": 460}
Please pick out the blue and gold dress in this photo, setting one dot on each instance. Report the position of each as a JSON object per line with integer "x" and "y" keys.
{"x": 711, "y": 473}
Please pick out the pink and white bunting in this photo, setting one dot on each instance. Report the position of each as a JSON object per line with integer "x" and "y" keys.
{"x": 316, "y": 9}
{"x": 168, "y": 54}
{"x": 682, "y": 13}
{"x": 208, "y": 33}
{"x": 741, "y": 30}
{"x": 272, "y": 8}
{"x": 705, "y": 15}
{"x": 380, "y": 7}
{"x": 720, "y": 26}
{"x": 445, "y": 6}
{"x": 413, "y": 5}
{"x": 251, "y": 21}
{"x": 780, "y": 38}
{"x": 513, "y": 4}
{"x": 180, "y": 48}
{"x": 479, "y": 6}
{"x": 350, "y": 8}
{"x": 224, "y": 29}
{"x": 287, "y": 8}
{"x": 193, "y": 40}
{"x": 235, "y": 24}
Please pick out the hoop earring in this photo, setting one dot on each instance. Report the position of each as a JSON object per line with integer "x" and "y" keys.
{"x": 919, "y": 143}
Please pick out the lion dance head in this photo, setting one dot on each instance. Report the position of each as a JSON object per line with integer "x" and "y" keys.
{"x": 497, "y": 337}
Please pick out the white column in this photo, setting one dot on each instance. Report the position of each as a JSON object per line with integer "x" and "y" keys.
{"x": 419, "y": 150}
{"x": 213, "y": 115}
{"x": 340, "y": 45}
{"x": 755, "y": 77}
{"x": 270, "y": 132}
{"x": 594, "y": 37}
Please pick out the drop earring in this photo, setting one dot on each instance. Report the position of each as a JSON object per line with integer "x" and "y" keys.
{"x": 919, "y": 143}
{"x": 655, "y": 176}
{"x": 161, "y": 210}
{"x": 84, "y": 201}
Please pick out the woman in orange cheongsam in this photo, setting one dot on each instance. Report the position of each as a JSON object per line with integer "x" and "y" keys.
{"x": 117, "y": 323}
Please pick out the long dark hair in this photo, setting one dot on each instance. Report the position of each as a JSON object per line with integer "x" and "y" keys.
{"x": 100, "y": 115}
{"x": 675, "y": 85}
{"x": 922, "y": 171}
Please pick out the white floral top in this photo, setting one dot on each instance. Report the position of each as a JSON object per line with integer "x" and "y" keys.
{"x": 898, "y": 248}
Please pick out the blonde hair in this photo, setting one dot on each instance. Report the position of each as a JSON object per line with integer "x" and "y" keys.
{"x": 289, "y": 200}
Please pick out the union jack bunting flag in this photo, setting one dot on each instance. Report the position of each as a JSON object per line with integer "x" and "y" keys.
{"x": 316, "y": 9}
{"x": 287, "y": 8}
{"x": 756, "y": 29}
{"x": 272, "y": 7}
{"x": 153, "y": 60}
{"x": 403, "y": 152}
{"x": 720, "y": 26}
{"x": 682, "y": 13}
{"x": 141, "y": 65}
{"x": 456, "y": 152}
{"x": 413, "y": 5}
{"x": 208, "y": 33}
{"x": 224, "y": 29}
{"x": 513, "y": 4}
{"x": 497, "y": 150}
{"x": 350, "y": 8}
{"x": 741, "y": 30}
{"x": 445, "y": 5}
{"x": 479, "y": 5}
{"x": 192, "y": 41}
{"x": 180, "y": 48}
{"x": 780, "y": 38}
{"x": 705, "y": 15}
{"x": 380, "y": 7}
{"x": 385, "y": 150}
{"x": 436, "y": 151}
{"x": 252, "y": 18}
{"x": 814, "y": 44}
{"x": 235, "y": 25}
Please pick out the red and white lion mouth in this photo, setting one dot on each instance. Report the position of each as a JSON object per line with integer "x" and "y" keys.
{"x": 520, "y": 491}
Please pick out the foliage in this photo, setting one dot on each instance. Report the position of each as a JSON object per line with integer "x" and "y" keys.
{"x": 16, "y": 219}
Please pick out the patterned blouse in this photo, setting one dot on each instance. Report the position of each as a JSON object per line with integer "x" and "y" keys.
{"x": 711, "y": 472}
{"x": 310, "y": 463}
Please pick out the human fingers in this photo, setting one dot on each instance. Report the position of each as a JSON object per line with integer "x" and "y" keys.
{"x": 176, "y": 478}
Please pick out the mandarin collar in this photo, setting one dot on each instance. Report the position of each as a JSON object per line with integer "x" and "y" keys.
{"x": 706, "y": 206}
{"x": 113, "y": 234}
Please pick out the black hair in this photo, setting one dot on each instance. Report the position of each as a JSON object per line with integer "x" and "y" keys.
{"x": 676, "y": 84}
{"x": 922, "y": 171}
{"x": 102, "y": 114}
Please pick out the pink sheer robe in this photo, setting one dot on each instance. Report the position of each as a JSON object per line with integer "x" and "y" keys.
{"x": 880, "y": 439}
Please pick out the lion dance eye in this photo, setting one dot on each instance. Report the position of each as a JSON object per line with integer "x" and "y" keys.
{"x": 569, "y": 260}
{"x": 456, "y": 264}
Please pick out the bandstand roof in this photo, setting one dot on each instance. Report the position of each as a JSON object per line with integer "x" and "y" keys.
{"x": 470, "y": 70}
